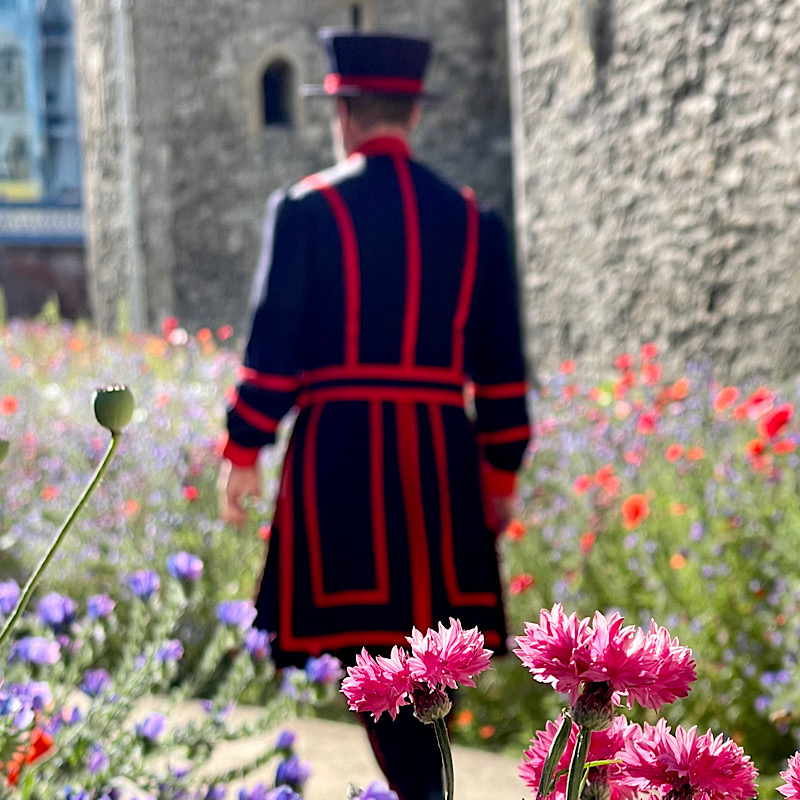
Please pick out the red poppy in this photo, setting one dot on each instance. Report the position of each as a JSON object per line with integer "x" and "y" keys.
{"x": 8, "y": 405}
{"x": 264, "y": 532}
{"x": 674, "y": 452}
{"x": 224, "y": 333}
{"x": 695, "y": 453}
{"x": 647, "y": 423}
{"x": 516, "y": 530}
{"x": 623, "y": 361}
{"x": 567, "y": 367}
{"x": 569, "y": 391}
{"x": 168, "y": 325}
{"x": 190, "y": 492}
{"x": 755, "y": 447}
{"x": 581, "y": 484}
{"x": 587, "y": 541}
{"x": 773, "y": 423}
{"x": 784, "y": 446}
{"x": 603, "y": 474}
{"x": 651, "y": 373}
{"x": 649, "y": 351}
{"x": 635, "y": 509}
{"x": 725, "y": 398}
{"x": 759, "y": 402}
{"x": 520, "y": 583}
{"x": 204, "y": 335}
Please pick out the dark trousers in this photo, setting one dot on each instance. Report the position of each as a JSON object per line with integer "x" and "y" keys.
{"x": 408, "y": 754}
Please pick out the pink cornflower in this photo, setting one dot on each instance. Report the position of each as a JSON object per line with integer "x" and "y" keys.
{"x": 599, "y": 662}
{"x": 378, "y": 685}
{"x": 438, "y": 660}
{"x": 791, "y": 775}
{"x": 685, "y": 766}
{"x": 448, "y": 657}
{"x": 604, "y": 746}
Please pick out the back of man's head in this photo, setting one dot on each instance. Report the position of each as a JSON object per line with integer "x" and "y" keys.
{"x": 370, "y": 110}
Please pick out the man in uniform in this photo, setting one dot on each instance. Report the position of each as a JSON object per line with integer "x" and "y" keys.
{"x": 382, "y": 294}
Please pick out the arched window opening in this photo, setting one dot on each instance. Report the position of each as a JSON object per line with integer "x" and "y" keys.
{"x": 277, "y": 94}
{"x": 357, "y": 16}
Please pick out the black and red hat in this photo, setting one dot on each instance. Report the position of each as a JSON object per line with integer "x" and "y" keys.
{"x": 378, "y": 63}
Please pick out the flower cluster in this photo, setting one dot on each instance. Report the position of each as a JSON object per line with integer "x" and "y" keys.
{"x": 598, "y": 662}
{"x": 437, "y": 660}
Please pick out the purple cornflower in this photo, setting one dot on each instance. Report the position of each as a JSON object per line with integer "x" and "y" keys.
{"x": 324, "y": 670}
{"x": 75, "y": 794}
{"x": 185, "y": 566}
{"x": 378, "y": 791}
{"x": 36, "y": 694}
{"x": 98, "y": 760}
{"x": 95, "y": 682}
{"x": 216, "y": 792}
{"x": 36, "y": 650}
{"x": 56, "y": 611}
{"x": 9, "y": 596}
{"x": 260, "y": 792}
{"x": 99, "y": 605}
{"x": 171, "y": 650}
{"x": 257, "y": 644}
{"x": 12, "y": 706}
{"x": 292, "y": 772}
{"x": 285, "y": 740}
{"x": 152, "y": 727}
{"x": 144, "y": 583}
{"x": 236, "y": 613}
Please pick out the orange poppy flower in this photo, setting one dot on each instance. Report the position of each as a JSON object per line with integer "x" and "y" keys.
{"x": 784, "y": 446}
{"x": 635, "y": 509}
{"x": 516, "y": 530}
{"x": 695, "y": 453}
{"x": 677, "y": 561}
{"x": 581, "y": 484}
{"x": 725, "y": 398}
{"x": 587, "y": 541}
{"x": 680, "y": 389}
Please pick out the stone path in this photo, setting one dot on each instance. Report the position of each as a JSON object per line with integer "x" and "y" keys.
{"x": 339, "y": 755}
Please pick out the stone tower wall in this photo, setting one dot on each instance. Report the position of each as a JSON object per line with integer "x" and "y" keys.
{"x": 658, "y": 179}
{"x": 203, "y": 162}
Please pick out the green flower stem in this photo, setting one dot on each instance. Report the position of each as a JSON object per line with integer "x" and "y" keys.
{"x": 447, "y": 757}
{"x": 557, "y": 748}
{"x": 59, "y": 537}
{"x": 577, "y": 764}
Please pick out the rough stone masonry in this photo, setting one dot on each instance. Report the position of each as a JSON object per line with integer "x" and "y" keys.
{"x": 658, "y": 179}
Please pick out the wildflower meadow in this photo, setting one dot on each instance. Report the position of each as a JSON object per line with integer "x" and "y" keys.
{"x": 646, "y": 496}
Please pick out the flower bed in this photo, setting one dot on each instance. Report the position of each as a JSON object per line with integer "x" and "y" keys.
{"x": 674, "y": 498}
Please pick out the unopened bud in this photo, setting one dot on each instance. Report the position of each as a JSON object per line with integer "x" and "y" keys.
{"x": 113, "y": 407}
{"x": 431, "y": 705}
{"x": 594, "y": 709}
{"x": 4, "y": 448}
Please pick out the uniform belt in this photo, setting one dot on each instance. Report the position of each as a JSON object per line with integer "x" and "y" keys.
{"x": 382, "y": 384}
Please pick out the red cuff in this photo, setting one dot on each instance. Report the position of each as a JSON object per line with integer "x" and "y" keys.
{"x": 239, "y": 456}
{"x": 498, "y": 482}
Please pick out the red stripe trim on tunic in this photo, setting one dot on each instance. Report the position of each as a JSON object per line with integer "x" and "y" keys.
{"x": 519, "y": 434}
{"x": 501, "y": 391}
{"x": 383, "y": 372}
{"x": 332, "y": 641}
{"x": 309, "y": 490}
{"x": 408, "y": 394}
{"x": 285, "y": 515}
{"x": 379, "y": 594}
{"x": 467, "y": 279}
{"x": 350, "y": 266}
{"x": 262, "y": 380}
{"x": 454, "y": 593}
{"x": 252, "y": 417}
{"x": 419, "y": 559}
{"x": 413, "y": 261}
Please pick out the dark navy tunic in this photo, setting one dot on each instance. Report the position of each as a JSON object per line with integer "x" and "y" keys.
{"x": 385, "y": 301}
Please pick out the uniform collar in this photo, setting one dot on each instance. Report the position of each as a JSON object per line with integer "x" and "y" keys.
{"x": 384, "y": 146}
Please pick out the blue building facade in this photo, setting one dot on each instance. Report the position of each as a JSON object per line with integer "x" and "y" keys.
{"x": 41, "y": 219}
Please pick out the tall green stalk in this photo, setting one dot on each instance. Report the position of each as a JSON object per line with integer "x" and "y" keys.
{"x": 447, "y": 757}
{"x": 30, "y": 586}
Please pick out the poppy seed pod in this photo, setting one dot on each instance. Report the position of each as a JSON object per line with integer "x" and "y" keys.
{"x": 113, "y": 407}
{"x": 4, "y": 448}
